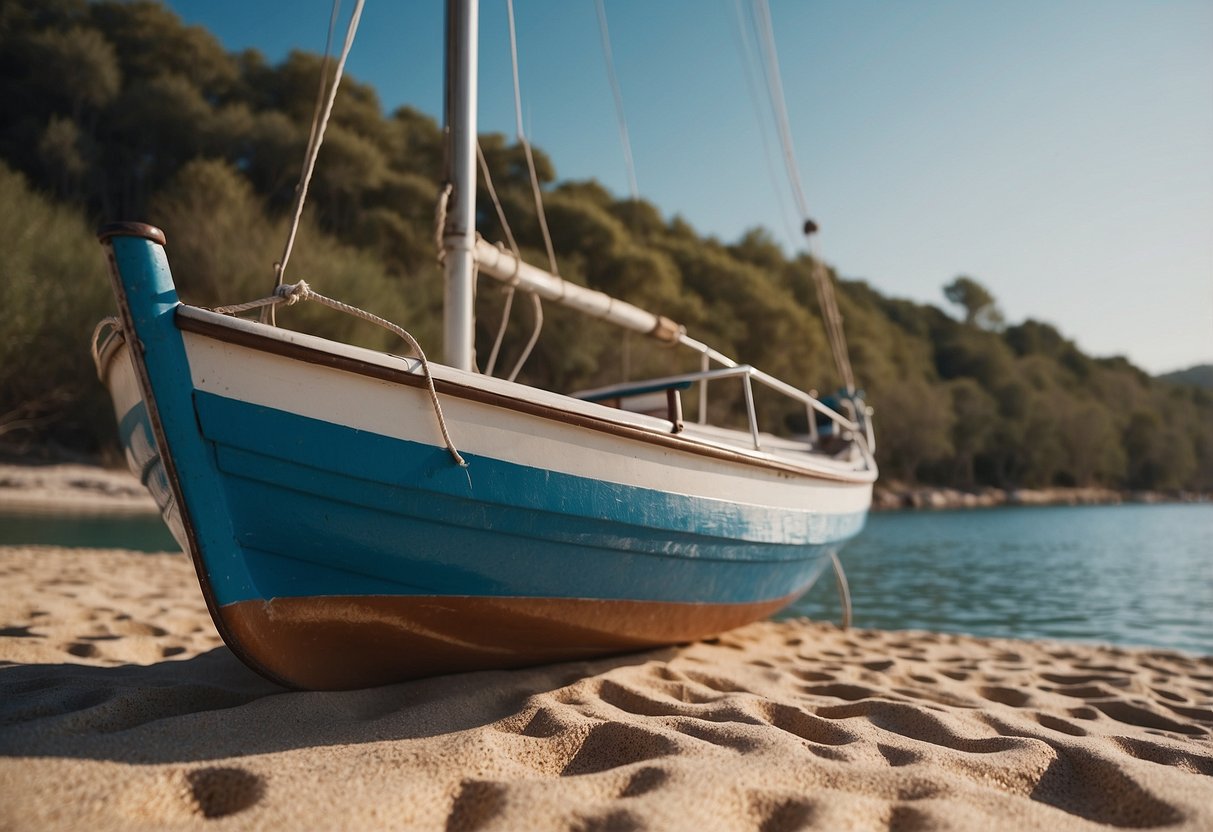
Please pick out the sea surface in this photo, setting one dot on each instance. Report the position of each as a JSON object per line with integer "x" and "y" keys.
{"x": 1130, "y": 575}
{"x": 141, "y": 532}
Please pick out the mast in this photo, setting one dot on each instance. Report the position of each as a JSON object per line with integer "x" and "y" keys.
{"x": 459, "y": 239}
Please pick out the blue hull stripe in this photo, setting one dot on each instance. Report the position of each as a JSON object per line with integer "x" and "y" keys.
{"x": 323, "y": 509}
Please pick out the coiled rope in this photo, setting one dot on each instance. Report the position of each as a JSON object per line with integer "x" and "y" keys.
{"x": 291, "y": 293}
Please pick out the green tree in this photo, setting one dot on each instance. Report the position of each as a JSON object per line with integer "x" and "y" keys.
{"x": 1159, "y": 457}
{"x": 77, "y": 66}
{"x": 62, "y": 151}
{"x": 974, "y": 415}
{"x": 916, "y": 428}
{"x": 979, "y": 305}
{"x": 1093, "y": 454}
{"x": 54, "y": 289}
{"x": 150, "y": 41}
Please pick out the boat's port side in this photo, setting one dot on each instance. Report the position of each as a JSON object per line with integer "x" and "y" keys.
{"x": 589, "y": 513}
{"x": 338, "y": 544}
{"x": 370, "y": 535}
{"x": 356, "y": 527}
{"x": 322, "y": 509}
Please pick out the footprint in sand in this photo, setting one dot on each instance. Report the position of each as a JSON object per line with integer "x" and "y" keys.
{"x": 1014, "y": 697}
{"x": 780, "y": 813}
{"x": 223, "y": 791}
{"x": 614, "y": 744}
{"x": 175, "y": 796}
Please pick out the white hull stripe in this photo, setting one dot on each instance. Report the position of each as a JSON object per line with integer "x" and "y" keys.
{"x": 404, "y": 412}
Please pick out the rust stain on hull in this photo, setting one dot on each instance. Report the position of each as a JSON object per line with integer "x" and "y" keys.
{"x": 344, "y": 642}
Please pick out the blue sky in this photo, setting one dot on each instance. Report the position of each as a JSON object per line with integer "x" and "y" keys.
{"x": 1059, "y": 151}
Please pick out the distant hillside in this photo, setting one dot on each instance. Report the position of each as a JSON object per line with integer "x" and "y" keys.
{"x": 117, "y": 111}
{"x": 1199, "y": 376}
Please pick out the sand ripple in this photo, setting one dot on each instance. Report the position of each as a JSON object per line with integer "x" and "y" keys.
{"x": 119, "y": 709}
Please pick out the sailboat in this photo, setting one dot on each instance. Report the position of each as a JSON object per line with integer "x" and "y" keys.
{"x": 359, "y": 518}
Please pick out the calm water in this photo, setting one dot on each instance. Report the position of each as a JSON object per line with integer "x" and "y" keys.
{"x": 143, "y": 533}
{"x": 1136, "y": 575}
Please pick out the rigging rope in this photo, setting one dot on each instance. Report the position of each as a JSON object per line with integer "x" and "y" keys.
{"x": 537, "y": 308}
{"x": 537, "y": 193}
{"x": 510, "y": 287}
{"x": 844, "y": 591}
{"x": 766, "y": 39}
{"x": 617, "y": 92}
{"x": 832, "y": 319}
{"x": 826, "y": 297}
{"x": 320, "y": 120}
{"x": 509, "y": 236}
{"x": 492, "y": 189}
{"x": 749, "y": 61}
{"x": 292, "y": 293}
{"x": 526, "y": 145}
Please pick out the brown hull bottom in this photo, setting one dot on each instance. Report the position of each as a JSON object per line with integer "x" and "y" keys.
{"x": 343, "y": 642}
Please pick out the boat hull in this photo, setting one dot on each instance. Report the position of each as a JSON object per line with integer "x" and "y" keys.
{"x": 339, "y": 546}
{"x": 334, "y": 642}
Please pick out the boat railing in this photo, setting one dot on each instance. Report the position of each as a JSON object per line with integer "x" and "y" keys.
{"x": 748, "y": 375}
{"x": 497, "y": 262}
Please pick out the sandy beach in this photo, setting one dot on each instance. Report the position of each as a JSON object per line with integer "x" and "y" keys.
{"x": 121, "y": 709}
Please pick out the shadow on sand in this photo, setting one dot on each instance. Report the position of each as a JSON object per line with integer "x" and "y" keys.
{"x": 213, "y": 707}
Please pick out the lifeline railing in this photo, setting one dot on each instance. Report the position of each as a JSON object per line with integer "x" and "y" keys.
{"x": 859, "y": 427}
{"x": 496, "y": 262}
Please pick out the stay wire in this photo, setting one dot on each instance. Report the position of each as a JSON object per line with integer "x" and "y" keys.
{"x": 526, "y": 144}
{"x": 617, "y": 93}
{"x": 320, "y": 120}
{"x": 745, "y": 41}
{"x": 827, "y": 300}
{"x": 766, "y": 40}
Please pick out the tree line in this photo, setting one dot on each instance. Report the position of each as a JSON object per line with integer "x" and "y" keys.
{"x": 118, "y": 110}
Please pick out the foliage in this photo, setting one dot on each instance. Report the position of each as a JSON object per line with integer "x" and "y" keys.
{"x": 53, "y": 289}
{"x": 116, "y": 110}
{"x": 978, "y": 303}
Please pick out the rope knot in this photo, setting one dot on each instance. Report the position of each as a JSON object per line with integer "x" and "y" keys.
{"x": 292, "y": 293}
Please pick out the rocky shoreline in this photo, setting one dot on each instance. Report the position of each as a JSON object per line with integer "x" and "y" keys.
{"x": 892, "y": 496}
